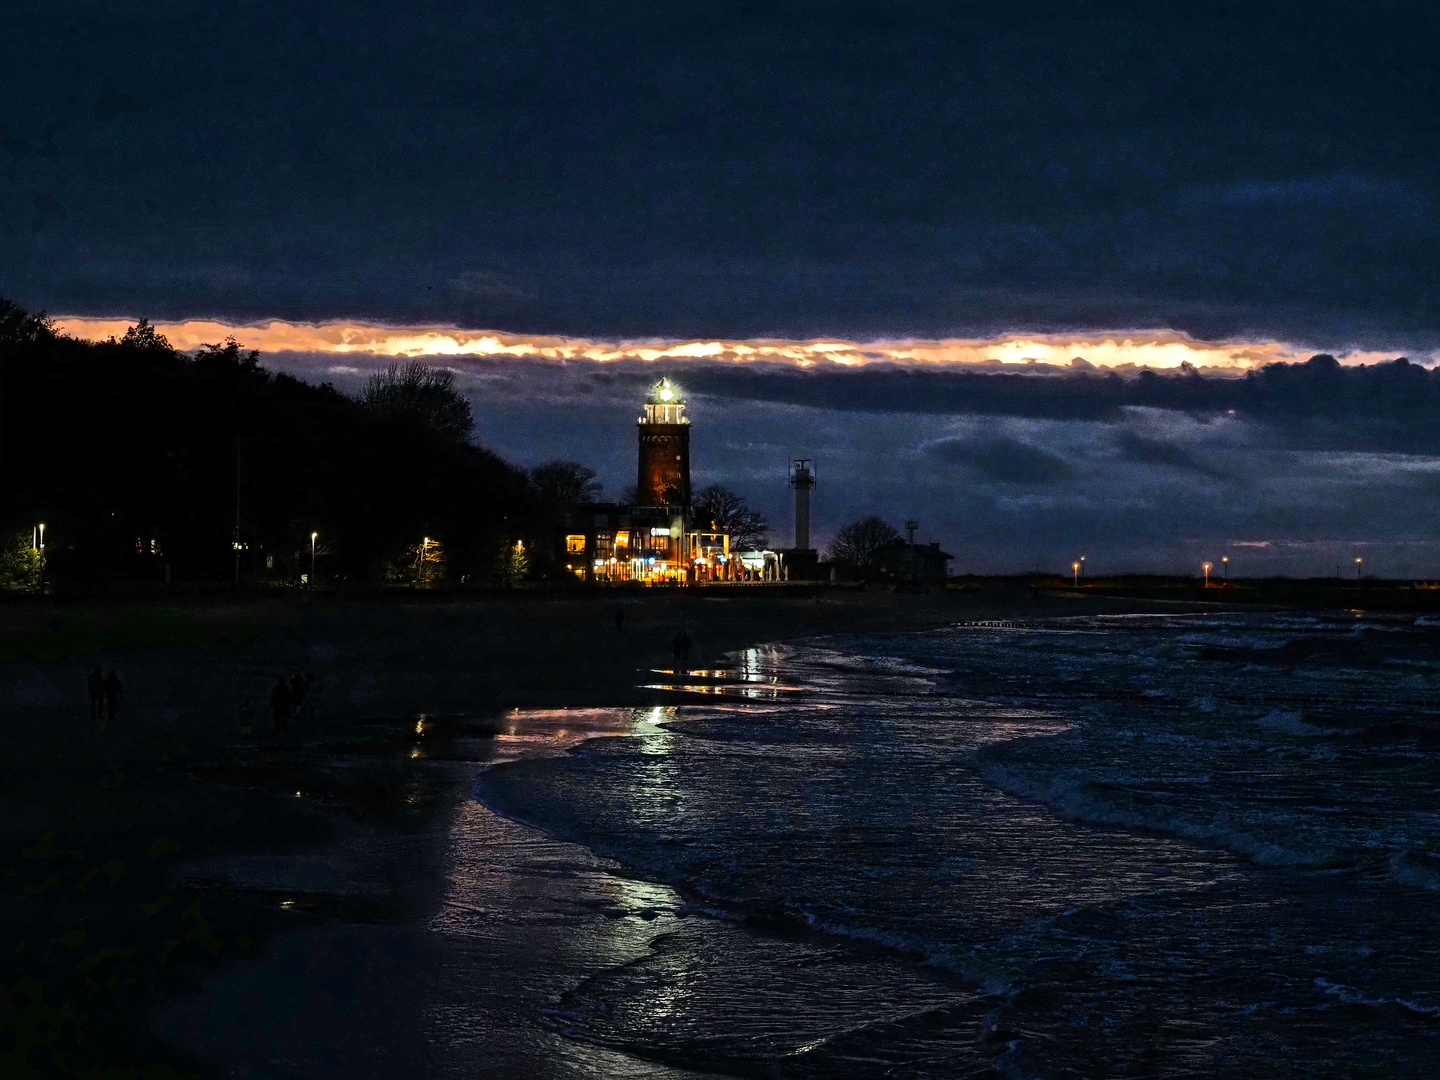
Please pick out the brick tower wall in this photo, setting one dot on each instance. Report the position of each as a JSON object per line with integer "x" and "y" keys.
{"x": 664, "y": 465}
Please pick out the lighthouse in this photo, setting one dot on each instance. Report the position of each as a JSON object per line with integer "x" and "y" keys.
{"x": 652, "y": 540}
{"x": 664, "y": 431}
{"x": 801, "y": 563}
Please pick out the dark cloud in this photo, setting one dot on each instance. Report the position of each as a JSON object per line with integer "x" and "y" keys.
{"x": 1137, "y": 448}
{"x": 113, "y": 103}
{"x": 1391, "y": 406}
{"x": 1007, "y": 461}
{"x": 785, "y": 168}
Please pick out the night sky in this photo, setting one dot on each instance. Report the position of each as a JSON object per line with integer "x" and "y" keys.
{"x": 1260, "y": 174}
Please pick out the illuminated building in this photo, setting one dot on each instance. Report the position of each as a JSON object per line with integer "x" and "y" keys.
{"x": 656, "y": 540}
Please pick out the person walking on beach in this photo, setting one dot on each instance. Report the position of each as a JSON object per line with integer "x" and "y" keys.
{"x": 682, "y": 651}
{"x": 619, "y": 619}
{"x": 297, "y": 695}
{"x": 114, "y": 691}
{"x": 96, "y": 685}
{"x": 280, "y": 704}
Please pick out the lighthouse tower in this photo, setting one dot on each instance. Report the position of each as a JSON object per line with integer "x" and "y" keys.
{"x": 802, "y": 479}
{"x": 802, "y": 561}
{"x": 664, "y": 449}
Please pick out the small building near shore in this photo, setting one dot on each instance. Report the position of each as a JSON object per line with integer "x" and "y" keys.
{"x": 917, "y": 564}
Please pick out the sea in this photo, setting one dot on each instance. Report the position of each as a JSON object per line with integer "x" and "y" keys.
{"x": 1185, "y": 845}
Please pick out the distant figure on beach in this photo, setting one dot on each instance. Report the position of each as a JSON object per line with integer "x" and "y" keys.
{"x": 247, "y": 719}
{"x": 297, "y": 695}
{"x": 96, "y": 685}
{"x": 619, "y": 619}
{"x": 114, "y": 691}
{"x": 280, "y": 704}
{"x": 682, "y": 651}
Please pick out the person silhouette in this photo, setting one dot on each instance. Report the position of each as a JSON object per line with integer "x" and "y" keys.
{"x": 682, "y": 651}
{"x": 297, "y": 695}
{"x": 619, "y": 619}
{"x": 280, "y": 704}
{"x": 96, "y": 686}
{"x": 114, "y": 691}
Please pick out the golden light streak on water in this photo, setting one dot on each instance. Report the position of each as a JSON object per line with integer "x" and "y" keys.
{"x": 1150, "y": 349}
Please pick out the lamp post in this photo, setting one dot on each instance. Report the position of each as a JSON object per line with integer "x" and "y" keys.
{"x": 1207, "y": 574}
{"x": 1224, "y": 567}
{"x": 1082, "y": 565}
{"x": 1075, "y": 567}
{"x": 313, "y": 537}
{"x": 1357, "y": 561}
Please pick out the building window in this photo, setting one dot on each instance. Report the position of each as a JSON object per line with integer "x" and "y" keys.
{"x": 575, "y": 544}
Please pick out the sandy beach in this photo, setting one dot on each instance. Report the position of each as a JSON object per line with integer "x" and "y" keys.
{"x": 181, "y": 899}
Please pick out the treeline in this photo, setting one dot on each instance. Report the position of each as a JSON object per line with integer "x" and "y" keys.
{"x": 130, "y": 452}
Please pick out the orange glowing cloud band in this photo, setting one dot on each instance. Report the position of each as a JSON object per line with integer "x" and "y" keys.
{"x": 1150, "y": 349}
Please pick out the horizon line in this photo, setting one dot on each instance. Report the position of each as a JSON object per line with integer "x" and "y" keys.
{"x": 1108, "y": 350}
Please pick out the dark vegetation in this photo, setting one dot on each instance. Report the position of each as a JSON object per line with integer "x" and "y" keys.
{"x": 859, "y": 544}
{"x": 129, "y": 451}
{"x": 720, "y": 508}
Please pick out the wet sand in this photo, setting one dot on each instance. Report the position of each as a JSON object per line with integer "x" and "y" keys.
{"x": 178, "y": 898}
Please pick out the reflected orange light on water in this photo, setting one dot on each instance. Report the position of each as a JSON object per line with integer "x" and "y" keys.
{"x": 1150, "y": 349}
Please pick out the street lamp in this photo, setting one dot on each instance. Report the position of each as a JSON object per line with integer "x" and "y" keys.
{"x": 1357, "y": 561}
{"x": 1082, "y": 565}
{"x": 1207, "y": 574}
{"x": 1224, "y": 567}
{"x": 313, "y": 536}
{"x": 1076, "y": 568}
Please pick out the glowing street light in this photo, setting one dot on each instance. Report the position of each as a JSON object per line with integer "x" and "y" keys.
{"x": 313, "y": 535}
{"x": 1207, "y": 573}
{"x": 1224, "y": 567}
{"x": 1075, "y": 566}
{"x": 37, "y": 539}
{"x": 1357, "y": 561}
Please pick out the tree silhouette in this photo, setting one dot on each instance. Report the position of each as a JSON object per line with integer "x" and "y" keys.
{"x": 859, "y": 542}
{"x": 422, "y": 394}
{"x": 564, "y": 483}
{"x": 720, "y": 508}
{"x": 229, "y": 356}
{"x": 22, "y": 566}
{"x": 421, "y": 565}
{"x": 511, "y": 565}
{"x": 116, "y": 444}
{"x": 145, "y": 338}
